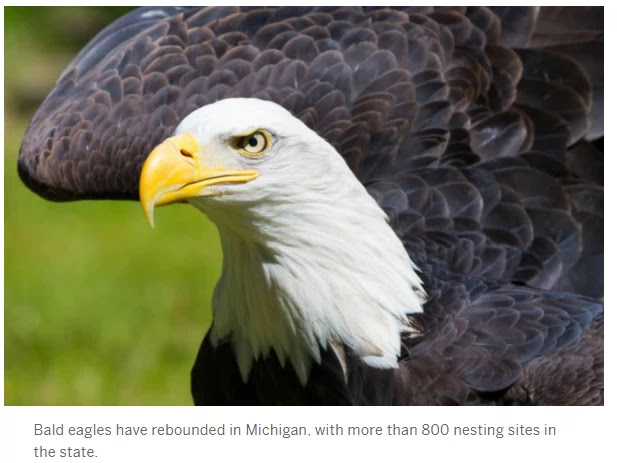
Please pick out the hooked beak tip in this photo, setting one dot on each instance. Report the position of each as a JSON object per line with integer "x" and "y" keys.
{"x": 149, "y": 212}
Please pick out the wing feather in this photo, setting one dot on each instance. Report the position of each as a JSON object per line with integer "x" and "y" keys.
{"x": 478, "y": 130}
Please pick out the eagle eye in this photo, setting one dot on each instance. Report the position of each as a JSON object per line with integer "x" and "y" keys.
{"x": 254, "y": 144}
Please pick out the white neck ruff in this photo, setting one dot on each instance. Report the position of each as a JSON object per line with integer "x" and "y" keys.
{"x": 326, "y": 269}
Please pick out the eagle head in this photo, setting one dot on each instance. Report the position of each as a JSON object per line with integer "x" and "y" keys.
{"x": 309, "y": 258}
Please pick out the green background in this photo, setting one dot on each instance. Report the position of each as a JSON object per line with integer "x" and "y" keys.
{"x": 99, "y": 308}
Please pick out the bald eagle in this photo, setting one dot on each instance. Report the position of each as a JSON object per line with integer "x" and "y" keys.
{"x": 409, "y": 200}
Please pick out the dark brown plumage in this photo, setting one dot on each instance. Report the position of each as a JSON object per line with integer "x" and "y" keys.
{"x": 479, "y": 131}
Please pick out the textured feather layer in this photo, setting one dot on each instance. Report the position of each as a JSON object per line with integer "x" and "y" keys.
{"x": 432, "y": 110}
{"x": 475, "y": 129}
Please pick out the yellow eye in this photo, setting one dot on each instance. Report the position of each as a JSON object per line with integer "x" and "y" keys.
{"x": 254, "y": 144}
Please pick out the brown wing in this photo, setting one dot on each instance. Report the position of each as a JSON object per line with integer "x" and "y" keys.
{"x": 478, "y": 130}
{"x": 474, "y": 147}
{"x": 485, "y": 342}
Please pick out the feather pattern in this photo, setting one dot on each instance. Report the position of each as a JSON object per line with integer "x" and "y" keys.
{"x": 477, "y": 130}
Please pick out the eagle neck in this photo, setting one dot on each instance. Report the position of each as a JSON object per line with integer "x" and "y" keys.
{"x": 295, "y": 286}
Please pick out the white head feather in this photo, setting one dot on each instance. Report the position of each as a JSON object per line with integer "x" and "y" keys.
{"x": 308, "y": 254}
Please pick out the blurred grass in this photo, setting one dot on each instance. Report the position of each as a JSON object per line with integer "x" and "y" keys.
{"x": 99, "y": 308}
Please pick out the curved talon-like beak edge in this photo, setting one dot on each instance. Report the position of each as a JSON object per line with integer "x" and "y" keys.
{"x": 173, "y": 172}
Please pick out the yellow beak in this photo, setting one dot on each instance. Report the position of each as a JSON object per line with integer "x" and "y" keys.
{"x": 172, "y": 172}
